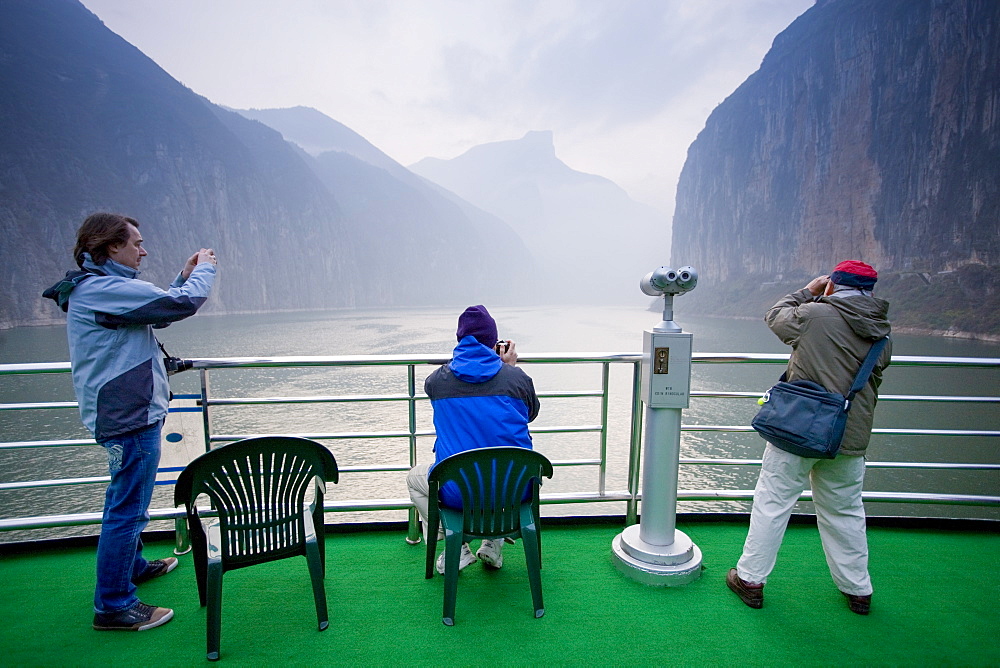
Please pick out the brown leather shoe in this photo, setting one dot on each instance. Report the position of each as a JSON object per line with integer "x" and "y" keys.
{"x": 861, "y": 605}
{"x": 751, "y": 594}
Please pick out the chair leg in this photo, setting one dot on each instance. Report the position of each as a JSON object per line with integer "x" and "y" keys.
{"x": 200, "y": 557}
{"x": 431, "y": 540}
{"x": 315, "y": 562}
{"x": 214, "y": 613}
{"x": 452, "y": 556}
{"x": 536, "y": 513}
{"x": 320, "y": 529}
{"x": 533, "y": 562}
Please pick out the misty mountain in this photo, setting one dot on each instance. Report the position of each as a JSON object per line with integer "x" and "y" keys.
{"x": 870, "y": 131}
{"x": 391, "y": 202}
{"x": 593, "y": 240}
{"x": 316, "y": 133}
{"x": 89, "y": 123}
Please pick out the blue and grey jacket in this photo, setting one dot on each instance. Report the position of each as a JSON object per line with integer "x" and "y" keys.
{"x": 118, "y": 373}
{"x": 479, "y": 402}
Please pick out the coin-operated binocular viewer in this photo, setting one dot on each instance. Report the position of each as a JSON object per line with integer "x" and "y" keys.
{"x": 654, "y": 551}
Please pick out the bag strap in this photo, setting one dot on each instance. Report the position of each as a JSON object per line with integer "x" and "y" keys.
{"x": 867, "y": 367}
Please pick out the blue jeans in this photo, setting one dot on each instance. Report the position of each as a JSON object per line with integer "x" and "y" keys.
{"x": 132, "y": 460}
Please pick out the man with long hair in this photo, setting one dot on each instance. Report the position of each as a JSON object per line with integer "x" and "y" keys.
{"x": 121, "y": 387}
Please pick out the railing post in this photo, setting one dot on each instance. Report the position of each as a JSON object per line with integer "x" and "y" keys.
{"x": 182, "y": 542}
{"x": 603, "y": 471}
{"x": 206, "y": 422}
{"x": 413, "y": 525}
{"x": 635, "y": 447}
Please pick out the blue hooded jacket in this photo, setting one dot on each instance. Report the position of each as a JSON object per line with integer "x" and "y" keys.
{"x": 118, "y": 374}
{"x": 479, "y": 402}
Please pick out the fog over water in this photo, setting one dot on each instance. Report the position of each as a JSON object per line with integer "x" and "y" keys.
{"x": 553, "y": 329}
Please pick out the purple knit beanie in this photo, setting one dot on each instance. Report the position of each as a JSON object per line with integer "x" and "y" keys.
{"x": 476, "y": 321}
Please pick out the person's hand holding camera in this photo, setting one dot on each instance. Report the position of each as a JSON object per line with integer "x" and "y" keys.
{"x": 203, "y": 255}
{"x": 505, "y": 349}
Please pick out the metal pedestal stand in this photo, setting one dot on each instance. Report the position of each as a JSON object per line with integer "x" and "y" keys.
{"x": 655, "y": 552}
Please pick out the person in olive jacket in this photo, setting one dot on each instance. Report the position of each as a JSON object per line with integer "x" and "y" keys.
{"x": 831, "y": 325}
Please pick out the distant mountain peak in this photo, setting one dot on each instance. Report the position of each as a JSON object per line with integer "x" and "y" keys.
{"x": 539, "y": 139}
{"x": 535, "y": 145}
{"x": 534, "y": 153}
{"x": 316, "y": 133}
{"x": 312, "y": 130}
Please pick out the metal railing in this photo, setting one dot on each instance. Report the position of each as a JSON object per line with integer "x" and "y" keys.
{"x": 210, "y": 402}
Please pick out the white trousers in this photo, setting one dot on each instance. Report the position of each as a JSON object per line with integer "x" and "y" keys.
{"x": 840, "y": 516}
{"x": 416, "y": 482}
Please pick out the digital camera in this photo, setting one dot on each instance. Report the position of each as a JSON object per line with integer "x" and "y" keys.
{"x": 175, "y": 365}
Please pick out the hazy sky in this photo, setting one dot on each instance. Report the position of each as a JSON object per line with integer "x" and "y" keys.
{"x": 625, "y": 85}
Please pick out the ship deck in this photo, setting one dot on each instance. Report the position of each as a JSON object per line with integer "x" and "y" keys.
{"x": 936, "y": 591}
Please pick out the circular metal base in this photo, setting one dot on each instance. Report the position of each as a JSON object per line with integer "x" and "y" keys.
{"x": 657, "y": 565}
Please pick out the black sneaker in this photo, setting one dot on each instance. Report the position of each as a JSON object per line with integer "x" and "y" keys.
{"x": 155, "y": 569}
{"x": 137, "y": 618}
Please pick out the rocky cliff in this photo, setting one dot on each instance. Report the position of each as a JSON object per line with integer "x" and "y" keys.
{"x": 870, "y": 131}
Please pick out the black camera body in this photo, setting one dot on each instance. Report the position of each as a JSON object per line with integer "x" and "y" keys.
{"x": 175, "y": 365}
{"x": 501, "y": 347}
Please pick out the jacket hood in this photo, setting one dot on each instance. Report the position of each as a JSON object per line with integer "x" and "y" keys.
{"x": 473, "y": 362}
{"x": 867, "y": 316}
{"x": 60, "y": 292}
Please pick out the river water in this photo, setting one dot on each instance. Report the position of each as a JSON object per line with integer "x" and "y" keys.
{"x": 552, "y": 329}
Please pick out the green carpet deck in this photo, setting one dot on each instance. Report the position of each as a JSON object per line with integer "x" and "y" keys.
{"x": 935, "y": 603}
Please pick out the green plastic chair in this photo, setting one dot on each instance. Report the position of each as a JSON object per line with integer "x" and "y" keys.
{"x": 493, "y": 483}
{"x": 258, "y": 486}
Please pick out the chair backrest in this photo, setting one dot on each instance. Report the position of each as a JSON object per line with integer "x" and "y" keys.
{"x": 258, "y": 486}
{"x": 493, "y": 483}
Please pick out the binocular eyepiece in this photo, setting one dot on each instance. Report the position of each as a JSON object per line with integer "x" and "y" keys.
{"x": 667, "y": 281}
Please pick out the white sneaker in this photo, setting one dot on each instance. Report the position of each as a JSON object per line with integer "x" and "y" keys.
{"x": 491, "y": 552}
{"x": 464, "y": 559}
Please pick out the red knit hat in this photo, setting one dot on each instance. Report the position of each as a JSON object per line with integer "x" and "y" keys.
{"x": 854, "y": 274}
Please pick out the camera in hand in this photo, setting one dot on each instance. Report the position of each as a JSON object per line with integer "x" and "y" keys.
{"x": 175, "y": 365}
{"x": 501, "y": 347}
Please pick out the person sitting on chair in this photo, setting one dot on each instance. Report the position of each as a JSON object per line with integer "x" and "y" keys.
{"x": 480, "y": 400}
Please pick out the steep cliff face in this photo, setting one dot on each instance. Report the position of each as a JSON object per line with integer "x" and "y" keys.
{"x": 89, "y": 123}
{"x": 870, "y": 131}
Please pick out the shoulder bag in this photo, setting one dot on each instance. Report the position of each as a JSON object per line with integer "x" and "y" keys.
{"x": 803, "y": 418}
